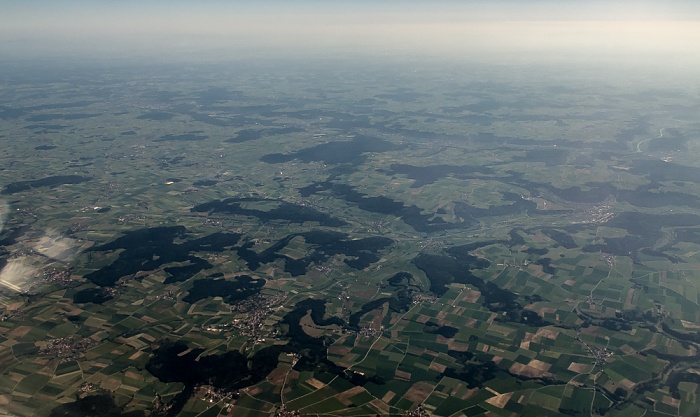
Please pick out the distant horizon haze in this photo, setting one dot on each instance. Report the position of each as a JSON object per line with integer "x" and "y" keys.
{"x": 633, "y": 33}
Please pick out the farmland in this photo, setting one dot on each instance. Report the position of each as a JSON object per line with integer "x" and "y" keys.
{"x": 201, "y": 242}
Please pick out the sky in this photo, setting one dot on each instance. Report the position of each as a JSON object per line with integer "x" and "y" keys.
{"x": 668, "y": 28}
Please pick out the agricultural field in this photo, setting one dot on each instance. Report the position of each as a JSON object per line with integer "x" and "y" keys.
{"x": 373, "y": 238}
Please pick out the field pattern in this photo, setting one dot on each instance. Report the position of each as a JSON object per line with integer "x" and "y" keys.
{"x": 348, "y": 240}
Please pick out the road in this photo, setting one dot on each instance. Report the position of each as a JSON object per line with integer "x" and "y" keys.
{"x": 661, "y": 134}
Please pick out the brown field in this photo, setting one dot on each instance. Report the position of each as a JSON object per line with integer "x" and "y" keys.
{"x": 379, "y": 406}
{"x": 537, "y": 364}
{"x": 377, "y": 319}
{"x": 403, "y": 375}
{"x": 367, "y": 294}
{"x": 627, "y": 384}
{"x": 338, "y": 350}
{"x": 580, "y": 368}
{"x": 469, "y": 393}
{"x": 673, "y": 402}
{"x": 423, "y": 319}
{"x": 454, "y": 345}
{"x": 542, "y": 310}
{"x": 133, "y": 375}
{"x": 652, "y": 342}
{"x": 470, "y": 296}
{"x": 536, "y": 270}
{"x": 437, "y": 367}
{"x": 315, "y": 383}
{"x": 276, "y": 377}
{"x": 110, "y": 384}
{"x": 419, "y": 392}
{"x": 500, "y": 400}
{"x": 690, "y": 325}
{"x": 313, "y": 330}
{"x": 388, "y": 396}
{"x": 346, "y": 360}
{"x": 293, "y": 376}
{"x": 627, "y": 349}
{"x": 491, "y": 318}
{"x": 529, "y": 370}
{"x": 343, "y": 397}
{"x": 548, "y": 333}
{"x": 19, "y": 332}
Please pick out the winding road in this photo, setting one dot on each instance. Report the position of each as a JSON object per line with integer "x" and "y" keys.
{"x": 661, "y": 134}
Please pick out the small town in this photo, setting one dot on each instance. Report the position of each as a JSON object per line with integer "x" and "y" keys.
{"x": 251, "y": 315}
{"x": 66, "y": 348}
{"x": 61, "y": 277}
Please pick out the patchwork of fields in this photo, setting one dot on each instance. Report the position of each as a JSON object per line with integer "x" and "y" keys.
{"x": 217, "y": 241}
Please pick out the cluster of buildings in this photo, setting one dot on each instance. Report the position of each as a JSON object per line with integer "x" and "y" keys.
{"x": 609, "y": 259}
{"x": 131, "y": 218}
{"x": 167, "y": 295}
{"x": 66, "y": 348}
{"x": 283, "y": 412}
{"x": 431, "y": 244}
{"x": 87, "y": 387}
{"x": 212, "y": 394}
{"x": 600, "y": 356}
{"x": 594, "y": 301}
{"x": 253, "y": 311}
{"x": 418, "y": 412}
{"x": 61, "y": 277}
{"x": 421, "y": 298}
{"x": 370, "y": 331}
{"x": 8, "y": 314}
{"x": 159, "y": 407}
{"x": 598, "y": 214}
{"x": 326, "y": 271}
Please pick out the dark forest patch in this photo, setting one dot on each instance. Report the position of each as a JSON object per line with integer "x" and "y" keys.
{"x": 91, "y": 295}
{"x": 424, "y": 175}
{"x": 150, "y": 249}
{"x": 183, "y": 273}
{"x": 52, "y": 182}
{"x": 156, "y": 116}
{"x": 444, "y": 331}
{"x": 247, "y": 135}
{"x": 96, "y": 405}
{"x": 230, "y": 290}
{"x": 58, "y": 116}
{"x": 292, "y": 213}
{"x": 358, "y": 253}
{"x": 561, "y": 238}
{"x": 644, "y": 230}
{"x": 186, "y": 137}
{"x": 205, "y": 183}
{"x": 338, "y": 152}
{"x": 456, "y": 266}
{"x": 410, "y": 215}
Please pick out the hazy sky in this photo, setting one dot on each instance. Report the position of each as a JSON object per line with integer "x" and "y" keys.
{"x": 75, "y": 27}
